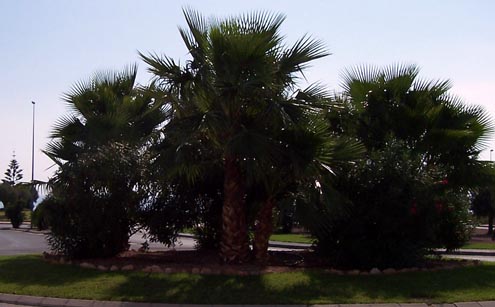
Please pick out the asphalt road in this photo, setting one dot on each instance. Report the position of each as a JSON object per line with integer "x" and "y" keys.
{"x": 17, "y": 242}
{"x": 471, "y": 257}
{"x": 22, "y": 241}
{"x": 182, "y": 244}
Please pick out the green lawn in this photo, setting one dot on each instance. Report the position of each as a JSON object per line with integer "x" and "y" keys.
{"x": 302, "y": 238}
{"x": 291, "y": 237}
{"x": 480, "y": 245}
{"x": 29, "y": 275}
{"x": 27, "y": 216}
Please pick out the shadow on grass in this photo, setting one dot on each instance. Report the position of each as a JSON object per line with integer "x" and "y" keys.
{"x": 31, "y": 270}
{"x": 474, "y": 283}
{"x": 31, "y": 274}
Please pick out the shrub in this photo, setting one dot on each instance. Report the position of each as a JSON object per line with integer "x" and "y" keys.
{"x": 94, "y": 203}
{"x": 14, "y": 213}
{"x": 87, "y": 228}
{"x": 15, "y": 198}
{"x": 177, "y": 205}
{"x": 397, "y": 211}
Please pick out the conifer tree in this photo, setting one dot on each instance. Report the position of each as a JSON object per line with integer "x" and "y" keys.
{"x": 13, "y": 174}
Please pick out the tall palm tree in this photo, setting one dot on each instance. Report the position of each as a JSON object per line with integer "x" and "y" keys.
{"x": 237, "y": 92}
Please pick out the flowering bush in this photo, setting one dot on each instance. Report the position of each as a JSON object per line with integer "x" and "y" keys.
{"x": 397, "y": 211}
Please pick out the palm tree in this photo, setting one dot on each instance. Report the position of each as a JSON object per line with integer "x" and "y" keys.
{"x": 99, "y": 148}
{"x": 422, "y": 145}
{"x": 234, "y": 96}
{"x": 108, "y": 108}
{"x": 423, "y": 114}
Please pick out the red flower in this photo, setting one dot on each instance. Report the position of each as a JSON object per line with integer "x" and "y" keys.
{"x": 414, "y": 209}
{"x": 439, "y": 206}
{"x": 444, "y": 182}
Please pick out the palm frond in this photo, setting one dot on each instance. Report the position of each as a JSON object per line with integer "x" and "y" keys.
{"x": 257, "y": 22}
{"x": 399, "y": 70}
{"x": 297, "y": 57}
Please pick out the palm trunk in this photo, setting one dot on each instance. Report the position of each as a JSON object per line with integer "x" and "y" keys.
{"x": 263, "y": 230}
{"x": 234, "y": 247}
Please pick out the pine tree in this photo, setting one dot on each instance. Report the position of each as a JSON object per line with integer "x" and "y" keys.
{"x": 13, "y": 174}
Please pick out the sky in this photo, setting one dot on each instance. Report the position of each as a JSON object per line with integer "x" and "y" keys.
{"x": 48, "y": 45}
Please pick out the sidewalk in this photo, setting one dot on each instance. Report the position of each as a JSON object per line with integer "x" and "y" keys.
{"x": 7, "y": 300}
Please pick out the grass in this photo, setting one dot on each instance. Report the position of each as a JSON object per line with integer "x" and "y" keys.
{"x": 283, "y": 237}
{"x": 292, "y": 238}
{"x": 480, "y": 245}
{"x": 303, "y": 238}
{"x": 26, "y": 212}
{"x": 30, "y": 275}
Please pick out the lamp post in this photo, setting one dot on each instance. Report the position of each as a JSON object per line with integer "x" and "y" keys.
{"x": 32, "y": 147}
{"x": 491, "y": 150}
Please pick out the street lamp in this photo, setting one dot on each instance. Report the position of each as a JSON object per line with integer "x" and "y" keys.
{"x": 491, "y": 150}
{"x": 32, "y": 147}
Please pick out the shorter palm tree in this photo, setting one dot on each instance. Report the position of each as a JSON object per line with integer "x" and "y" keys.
{"x": 432, "y": 122}
{"x": 99, "y": 150}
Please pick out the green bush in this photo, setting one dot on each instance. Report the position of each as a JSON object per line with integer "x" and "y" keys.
{"x": 92, "y": 210}
{"x": 396, "y": 213}
{"x": 179, "y": 205}
{"x": 87, "y": 228}
{"x": 16, "y": 198}
{"x": 14, "y": 213}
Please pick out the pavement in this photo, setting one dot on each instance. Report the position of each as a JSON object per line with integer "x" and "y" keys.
{"x": 17, "y": 242}
{"x": 10, "y": 300}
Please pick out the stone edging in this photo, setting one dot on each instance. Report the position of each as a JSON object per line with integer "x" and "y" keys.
{"x": 246, "y": 270}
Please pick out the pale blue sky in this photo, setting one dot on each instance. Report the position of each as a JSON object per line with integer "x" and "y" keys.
{"x": 46, "y": 46}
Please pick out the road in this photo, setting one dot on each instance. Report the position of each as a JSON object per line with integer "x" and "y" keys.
{"x": 22, "y": 241}
{"x": 471, "y": 257}
{"x": 16, "y": 242}
{"x": 182, "y": 244}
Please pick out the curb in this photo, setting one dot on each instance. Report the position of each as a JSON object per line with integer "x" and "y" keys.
{"x": 62, "y": 302}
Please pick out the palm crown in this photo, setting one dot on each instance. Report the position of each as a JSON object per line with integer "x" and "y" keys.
{"x": 238, "y": 97}
{"x": 108, "y": 108}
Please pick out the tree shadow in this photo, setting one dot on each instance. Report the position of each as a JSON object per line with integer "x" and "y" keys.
{"x": 309, "y": 287}
{"x": 31, "y": 270}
